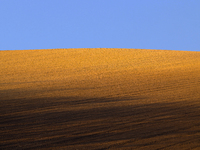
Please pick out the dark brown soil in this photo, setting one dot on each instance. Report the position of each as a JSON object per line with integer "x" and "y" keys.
{"x": 40, "y": 124}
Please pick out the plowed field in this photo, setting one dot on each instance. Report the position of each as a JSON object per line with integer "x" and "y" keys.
{"x": 99, "y": 99}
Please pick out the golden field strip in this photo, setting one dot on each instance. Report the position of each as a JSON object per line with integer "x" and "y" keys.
{"x": 99, "y": 99}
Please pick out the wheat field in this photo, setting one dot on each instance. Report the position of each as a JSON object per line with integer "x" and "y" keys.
{"x": 99, "y": 99}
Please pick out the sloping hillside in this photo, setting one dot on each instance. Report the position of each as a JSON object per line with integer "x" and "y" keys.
{"x": 99, "y": 99}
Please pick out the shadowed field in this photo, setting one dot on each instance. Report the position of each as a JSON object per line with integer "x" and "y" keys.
{"x": 99, "y": 99}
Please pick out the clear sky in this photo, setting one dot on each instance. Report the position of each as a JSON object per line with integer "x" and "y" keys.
{"x": 143, "y": 24}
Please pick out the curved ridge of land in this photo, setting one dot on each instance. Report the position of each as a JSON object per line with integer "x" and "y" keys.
{"x": 99, "y": 99}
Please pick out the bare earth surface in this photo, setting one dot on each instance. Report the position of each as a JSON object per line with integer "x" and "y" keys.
{"x": 99, "y": 99}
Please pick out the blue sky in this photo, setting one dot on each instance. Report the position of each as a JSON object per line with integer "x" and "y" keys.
{"x": 143, "y": 24}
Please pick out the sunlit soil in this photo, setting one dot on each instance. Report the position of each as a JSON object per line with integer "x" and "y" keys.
{"x": 99, "y": 99}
